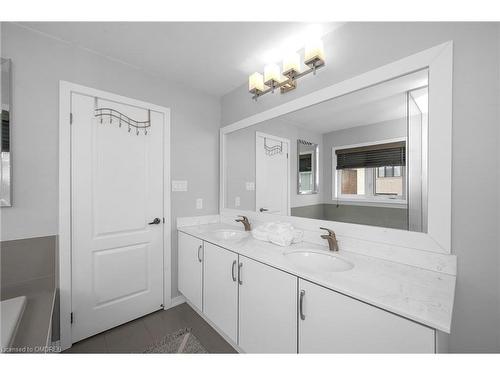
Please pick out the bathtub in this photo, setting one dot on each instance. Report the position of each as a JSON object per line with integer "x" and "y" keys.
{"x": 12, "y": 311}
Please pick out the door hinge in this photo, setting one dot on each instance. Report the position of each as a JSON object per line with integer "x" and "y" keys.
{"x": 71, "y": 318}
{"x": 163, "y": 220}
{"x": 70, "y": 118}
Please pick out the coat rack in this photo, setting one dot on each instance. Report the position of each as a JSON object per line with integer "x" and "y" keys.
{"x": 121, "y": 119}
{"x": 273, "y": 150}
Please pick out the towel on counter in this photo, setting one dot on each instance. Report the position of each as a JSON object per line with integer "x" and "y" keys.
{"x": 278, "y": 233}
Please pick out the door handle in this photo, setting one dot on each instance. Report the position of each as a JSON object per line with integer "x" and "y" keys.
{"x": 240, "y": 266}
{"x": 262, "y": 209}
{"x": 155, "y": 221}
{"x": 233, "y": 269}
{"x": 199, "y": 250}
{"x": 301, "y": 305}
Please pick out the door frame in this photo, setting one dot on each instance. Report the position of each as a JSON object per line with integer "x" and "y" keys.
{"x": 284, "y": 140}
{"x": 64, "y": 229}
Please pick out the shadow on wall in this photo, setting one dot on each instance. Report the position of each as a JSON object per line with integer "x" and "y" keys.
{"x": 388, "y": 217}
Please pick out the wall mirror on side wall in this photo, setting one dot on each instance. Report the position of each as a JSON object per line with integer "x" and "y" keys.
{"x": 374, "y": 150}
{"x": 307, "y": 167}
{"x": 6, "y": 114}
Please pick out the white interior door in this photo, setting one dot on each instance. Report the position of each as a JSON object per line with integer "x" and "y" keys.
{"x": 117, "y": 189}
{"x": 272, "y": 174}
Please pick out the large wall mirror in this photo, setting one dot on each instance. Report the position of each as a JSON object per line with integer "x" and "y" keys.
{"x": 6, "y": 156}
{"x": 374, "y": 150}
{"x": 359, "y": 158}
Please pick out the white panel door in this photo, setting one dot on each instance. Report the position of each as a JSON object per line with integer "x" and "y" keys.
{"x": 330, "y": 322}
{"x": 220, "y": 288}
{"x": 271, "y": 174}
{"x": 190, "y": 258}
{"x": 267, "y": 309}
{"x": 117, "y": 189}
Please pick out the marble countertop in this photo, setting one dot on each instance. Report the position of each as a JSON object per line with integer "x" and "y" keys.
{"x": 420, "y": 295}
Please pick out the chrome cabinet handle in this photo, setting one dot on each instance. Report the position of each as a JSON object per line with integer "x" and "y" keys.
{"x": 199, "y": 250}
{"x": 301, "y": 305}
{"x": 240, "y": 266}
{"x": 233, "y": 270}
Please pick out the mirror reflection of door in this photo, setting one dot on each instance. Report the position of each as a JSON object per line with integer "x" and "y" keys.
{"x": 272, "y": 170}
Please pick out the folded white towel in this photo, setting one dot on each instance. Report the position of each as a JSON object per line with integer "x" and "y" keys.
{"x": 278, "y": 233}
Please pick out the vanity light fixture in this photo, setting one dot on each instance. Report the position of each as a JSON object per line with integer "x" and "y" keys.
{"x": 314, "y": 58}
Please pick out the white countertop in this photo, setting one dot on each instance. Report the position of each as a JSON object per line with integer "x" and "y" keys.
{"x": 415, "y": 293}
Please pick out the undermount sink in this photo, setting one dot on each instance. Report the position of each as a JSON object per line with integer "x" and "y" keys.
{"x": 230, "y": 234}
{"x": 318, "y": 261}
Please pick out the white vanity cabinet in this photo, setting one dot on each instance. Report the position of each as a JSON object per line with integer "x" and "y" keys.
{"x": 191, "y": 268}
{"x": 267, "y": 309}
{"x": 220, "y": 289}
{"x": 330, "y": 322}
{"x": 262, "y": 309}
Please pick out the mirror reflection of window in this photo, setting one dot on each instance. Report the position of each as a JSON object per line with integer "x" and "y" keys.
{"x": 372, "y": 171}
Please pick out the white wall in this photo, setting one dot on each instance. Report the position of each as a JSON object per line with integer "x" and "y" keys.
{"x": 358, "y": 47}
{"x": 39, "y": 62}
{"x": 240, "y": 166}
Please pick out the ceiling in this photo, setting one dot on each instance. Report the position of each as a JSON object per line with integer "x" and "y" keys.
{"x": 382, "y": 102}
{"x": 213, "y": 57}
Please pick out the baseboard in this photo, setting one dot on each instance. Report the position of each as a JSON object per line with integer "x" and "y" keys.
{"x": 176, "y": 301}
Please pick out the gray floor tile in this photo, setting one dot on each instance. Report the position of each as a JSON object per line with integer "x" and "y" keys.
{"x": 131, "y": 337}
{"x": 209, "y": 338}
{"x": 135, "y": 336}
{"x": 163, "y": 323}
{"x": 94, "y": 344}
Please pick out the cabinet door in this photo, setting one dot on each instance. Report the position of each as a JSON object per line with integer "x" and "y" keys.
{"x": 220, "y": 289}
{"x": 333, "y": 323}
{"x": 267, "y": 309}
{"x": 191, "y": 268}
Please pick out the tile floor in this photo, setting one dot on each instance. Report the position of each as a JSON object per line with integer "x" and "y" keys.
{"x": 135, "y": 336}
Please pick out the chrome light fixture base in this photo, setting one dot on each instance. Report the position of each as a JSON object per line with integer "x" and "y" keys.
{"x": 290, "y": 83}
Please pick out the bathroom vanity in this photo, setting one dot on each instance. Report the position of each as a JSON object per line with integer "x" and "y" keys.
{"x": 368, "y": 158}
{"x": 265, "y": 298}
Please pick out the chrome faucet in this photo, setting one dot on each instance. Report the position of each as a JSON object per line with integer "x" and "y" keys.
{"x": 332, "y": 239}
{"x": 245, "y": 222}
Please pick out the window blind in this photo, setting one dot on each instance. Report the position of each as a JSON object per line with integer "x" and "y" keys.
{"x": 373, "y": 156}
{"x": 5, "y": 147}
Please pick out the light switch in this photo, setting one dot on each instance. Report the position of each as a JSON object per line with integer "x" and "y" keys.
{"x": 179, "y": 185}
{"x": 250, "y": 186}
{"x": 237, "y": 202}
{"x": 199, "y": 203}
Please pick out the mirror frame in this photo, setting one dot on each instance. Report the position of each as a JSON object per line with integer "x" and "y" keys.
{"x": 6, "y": 178}
{"x": 439, "y": 61}
{"x": 315, "y": 168}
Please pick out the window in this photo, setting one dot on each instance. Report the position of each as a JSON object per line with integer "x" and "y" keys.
{"x": 372, "y": 172}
